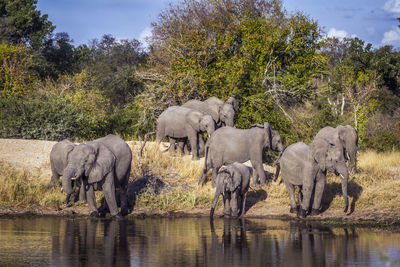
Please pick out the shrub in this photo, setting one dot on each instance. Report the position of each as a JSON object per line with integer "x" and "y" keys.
{"x": 44, "y": 117}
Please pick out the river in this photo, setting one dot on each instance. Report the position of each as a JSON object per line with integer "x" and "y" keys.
{"x": 54, "y": 241}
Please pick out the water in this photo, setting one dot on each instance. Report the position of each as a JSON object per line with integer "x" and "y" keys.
{"x": 44, "y": 241}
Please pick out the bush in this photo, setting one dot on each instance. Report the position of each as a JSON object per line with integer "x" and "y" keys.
{"x": 44, "y": 117}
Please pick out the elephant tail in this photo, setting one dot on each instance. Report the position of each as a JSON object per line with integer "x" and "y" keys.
{"x": 143, "y": 143}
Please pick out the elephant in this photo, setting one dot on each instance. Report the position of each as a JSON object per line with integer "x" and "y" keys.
{"x": 222, "y": 113}
{"x": 102, "y": 164}
{"x": 232, "y": 101}
{"x": 304, "y": 166}
{"x": 346, "y": 136}
{"x": 233, "y": 183}
{"x": 227, "y": 145}
{"x": 58, "y": 161}
{"x": 180, "y": 122}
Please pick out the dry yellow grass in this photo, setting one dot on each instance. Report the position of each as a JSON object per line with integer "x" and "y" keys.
{"x": 376, "y": 186}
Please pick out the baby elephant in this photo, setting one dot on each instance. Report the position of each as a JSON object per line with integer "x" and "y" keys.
{"x": 232, "y": 182}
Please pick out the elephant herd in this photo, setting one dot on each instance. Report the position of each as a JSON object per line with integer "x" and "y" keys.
{"x": 105, "y": 163}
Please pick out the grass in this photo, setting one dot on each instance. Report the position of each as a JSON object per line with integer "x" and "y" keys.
{"x": 375, "y": 189}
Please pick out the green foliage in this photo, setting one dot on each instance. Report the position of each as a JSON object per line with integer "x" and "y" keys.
{"x": 15, "y": 76}
{"x": 44, "y": 117}
{"x": 230, "y": 48}
{"x": 21, "y": 22}
{"x": 113, "y": 68}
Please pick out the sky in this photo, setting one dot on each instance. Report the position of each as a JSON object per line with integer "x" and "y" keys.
{"x": 373, "y": 21}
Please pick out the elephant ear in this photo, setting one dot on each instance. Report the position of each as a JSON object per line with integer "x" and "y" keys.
{"x": 319, "y": 152}
{"x": 68, "y": 150}
{"x": 233, "y": 180}
{"x": 103, "y": 163}
{"x": 268, "y": 130}
{"x": 194, "y": 119}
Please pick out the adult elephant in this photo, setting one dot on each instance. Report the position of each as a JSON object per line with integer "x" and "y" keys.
{"x": 180, "y": 122}
{"x": 222, "y": 113}
{"x": 303, "y": 165}
{"x": 233, "y": 183}
{"x": 347, "y": 137}
{"x": 58, "y": 161}
{"x": 229, "y": 144}
{"x": 102, "y": 164}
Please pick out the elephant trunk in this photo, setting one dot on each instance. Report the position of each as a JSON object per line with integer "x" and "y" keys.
{"x": 345, "y": 178}
{"x": 352, "y": 154}
{"x": 216, "y": 196}
{"x": 69, "y": 173}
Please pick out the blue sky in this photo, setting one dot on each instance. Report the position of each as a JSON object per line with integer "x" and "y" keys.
{"x": 373, "y": 21}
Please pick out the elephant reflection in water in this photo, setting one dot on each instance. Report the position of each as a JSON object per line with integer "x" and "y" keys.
{"x": 82, "y": 245}
{"x": 310, "y": 245}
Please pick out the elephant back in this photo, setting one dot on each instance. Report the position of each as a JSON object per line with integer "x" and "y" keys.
{"x": 122, "y": 153}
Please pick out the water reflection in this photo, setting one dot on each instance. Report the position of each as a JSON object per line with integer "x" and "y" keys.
{"x": 191, "y": 242}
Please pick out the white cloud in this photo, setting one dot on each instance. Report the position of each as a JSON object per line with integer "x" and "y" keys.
{"x": 144, "y": 35}
{"x": 392, "y": 6}
{"x": 339, "y": 33}
{"x": 392, "y": 37}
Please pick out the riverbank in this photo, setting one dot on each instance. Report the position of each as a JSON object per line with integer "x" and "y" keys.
{"x": 166, "y": 186}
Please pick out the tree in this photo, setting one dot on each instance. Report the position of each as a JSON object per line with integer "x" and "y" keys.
{"x": 233, "y": 48}
{"x": 21, "y": 22}
{"x": 16, "y": 78}
{"x": 114, "y": 65}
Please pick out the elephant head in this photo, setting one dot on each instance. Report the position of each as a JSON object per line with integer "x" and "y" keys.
{"x": 207, "y": 124}
{"x": 329, "y": 157}
{"x": 276, "y": 143}
{"x": 232, "y": 101}
{"x": 226, "y": 181}
{"x": 91, "y": 162}
{"x": 226, "y": 115}
{"x": 349, "y": 139}
{"x": 267, "y": 134}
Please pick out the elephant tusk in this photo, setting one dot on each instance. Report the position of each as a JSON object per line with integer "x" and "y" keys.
{"x": 341, "y": 176}
{"x": 62, "y": 190}
{"x": 74, "y": 178}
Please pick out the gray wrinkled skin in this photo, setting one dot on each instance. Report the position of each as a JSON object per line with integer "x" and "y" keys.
{"x": 179, "y": 123}
{"x": 233, "y": 183}
{"x": 102, "y": 164}
{"x": 227, "y": 145}
{"x": 346, "y": 136}
{"x": 303, "y": 165}
{"x": 222, "y": 113}
{"x": 58, "y": 161}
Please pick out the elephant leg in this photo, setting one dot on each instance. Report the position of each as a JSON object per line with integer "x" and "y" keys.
{"x": 243, "y": 210}
{"x": 214, "y": 176}
{"x": 186, "y": 147}
{"x": 257, "y": 165}
{"x": 54, "y": 179}
{"x": 91, "y": 199}
{"x": 293, "y": 205}
{"x": 124, "y": 202}
{"x": 181, "y": 147}
{"x": 254, "y": 178}
{"x": 234, "y": 203}
{"x": 82, "y": 193}
{"x": 193, "y": 144}
{"x": 171, "y": 148}
{"x": 319, "y": 190}
{"x": 227, "y": 206}
{"x": 109, "y": 194}
{"x": 300, "y": 193}
{"x": 201, "y": 145}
